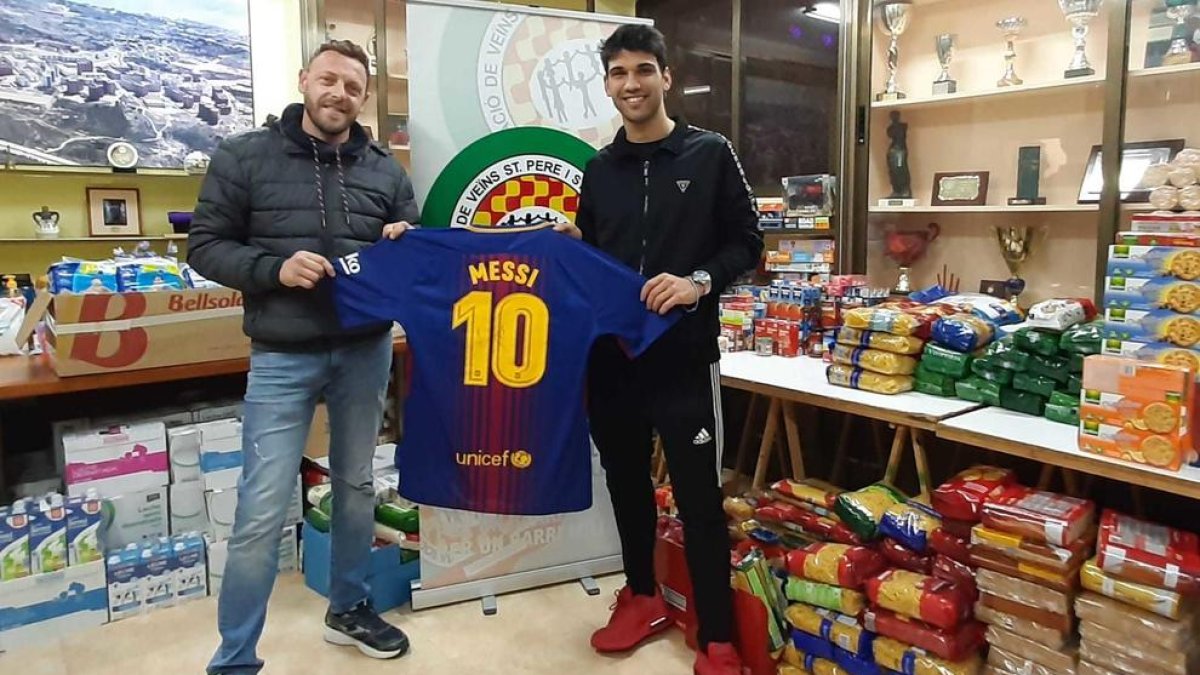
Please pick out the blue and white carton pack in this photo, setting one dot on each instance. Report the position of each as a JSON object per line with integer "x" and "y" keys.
{"x": 44, "y": 607}
{"x": 221, "y": 453}
{"x": 191, "y": 567}
{"x": 14, "y": 542}
{"x": 158, "y": 581}
{"x": 84, "y": 516}
{"x": 48, "y": 535}
{"x": 125, "y": 570}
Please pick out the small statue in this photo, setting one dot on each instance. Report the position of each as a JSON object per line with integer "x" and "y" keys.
{"x": 897, "y": 159}
{"x": 46, "y": 223}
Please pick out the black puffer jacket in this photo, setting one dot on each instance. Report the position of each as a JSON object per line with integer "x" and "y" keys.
{"x": 274, "y": 191}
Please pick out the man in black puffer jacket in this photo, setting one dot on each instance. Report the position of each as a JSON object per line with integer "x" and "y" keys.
{"x": 277, "y": 205}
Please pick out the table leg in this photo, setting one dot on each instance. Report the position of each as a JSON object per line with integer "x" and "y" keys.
{"x": 877, "y": 433}
{"x": 768, "y": 440}
{"x": 922, "y": 463}
{"x": 1071, "y": 482}
{"x": 839, "y": 460}
{"x": 899, "y": 441}
{"x": 793, "y": 441}
{"x": 747, "y": 427}
{"x": 1046, "y": 477}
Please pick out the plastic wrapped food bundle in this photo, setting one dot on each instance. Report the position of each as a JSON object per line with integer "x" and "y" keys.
{"x": 1033, "y": 550}
{"x": 904, "y": 558}
{"x": 934, "y": 601}
{"x": 838, "y": 599}
{"x": 835, "y": 564}
{"x": 953, "y": 645}
{"x": 1005, "y": 354}
{"x": 854, "y": 665}
{"x": 1022, "y": 401}
{"x": 952, "y": 546}
{"x": 1056, "y": 519}
{"x": 1024, "y": 592}
{"x": 1138, "y": 624}
{"x": 1146, "y": 553}
{"x": 1086, "y": 338}
{"x": 952, "y": 570}
{"x": 1010, "y": 663}
{"x": 862, "y": 510}
{"x": 1060, "y": 622}
{"x": 843, "y": 631}
{"x": 925, "y": 387}
{"x": 1063, "y": 414}
{"x": 740, "y": 508}
{"x": 1110, "y": 657}
{"x": 1035, "y": 384}
{"x": 1161, "y": 602}
{"x": 874, "y": 360}
{"x": 957, "y": 527}
{"x": 989, "y": 369}
{"x": 939, "y": 359}
{"x": 1172, "y": 662}
{"x": 962, "y": 497}
{"x": 814, "y": 645}
{"x": 856, "y": 378}
{"x": 1056, "y": 368}
{"x": 890, "y": 318}
{"x": 911, "y": 524}
{"x": 1061, "y": 314}
{"x": 1060, "y": 660}
{"x": 807, "y": 522}
{"x": 1086, "y": 668}
{"x": 1051, "y": 637}
{"x": 897, "y": 344}
{"x": 978, "y": 390}
{"x": 997, "y": 312}
{"x": 995, "y": 561}
{"x": 963, "y": 332}
{"x": 809, "y": 491}
{"x": 1037, "y": 341}
{"x": 806, "y": 664}
{"x": 899, "y": 657}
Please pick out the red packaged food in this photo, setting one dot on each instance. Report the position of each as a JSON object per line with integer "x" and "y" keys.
{"x": 807, "y": 522}
{"x": 809, "y": 491}
{"x": 1053, "y": 518}
{"x": 952, "y": 570}
{"x": 953, "y": 645}
{"x": 1032, "y": 551}
{"x": 835, "y": 564}
{"x": 1060, "y": 622}
{"x": 934, "y": 601}
{"x": 961, "y": 497}
{"x": 904, "y": 558}
{"x": 958, "y": 528}
{"x": 955, "y": 548}
{"x": 995, "y": 561}
{"x": 1149, "y": 554}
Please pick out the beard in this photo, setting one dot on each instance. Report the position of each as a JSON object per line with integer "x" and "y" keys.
{"x": 646, "y": 111}
{"x": 331, "y": 119}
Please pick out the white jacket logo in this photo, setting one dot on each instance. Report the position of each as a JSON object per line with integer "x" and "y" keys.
{"x": 683, "y": 185}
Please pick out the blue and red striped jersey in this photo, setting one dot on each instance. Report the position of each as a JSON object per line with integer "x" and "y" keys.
{"x": 499, "y": 326}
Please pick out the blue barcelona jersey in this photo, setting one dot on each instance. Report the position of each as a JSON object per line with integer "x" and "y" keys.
{"x": 500, "y": 326}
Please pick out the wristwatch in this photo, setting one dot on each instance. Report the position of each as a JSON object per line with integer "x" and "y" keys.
{"x": 703, "y": 281}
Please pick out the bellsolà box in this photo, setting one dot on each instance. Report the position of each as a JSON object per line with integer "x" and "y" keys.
{"x": 104, "y": 332}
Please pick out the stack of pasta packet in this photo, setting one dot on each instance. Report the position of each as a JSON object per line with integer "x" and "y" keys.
{"x": 1029, "y": 548}
{"x": 878, "y": 348}
{"x": 1138, "y": 612}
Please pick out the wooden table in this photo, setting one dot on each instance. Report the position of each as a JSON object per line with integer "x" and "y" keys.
{"x": 788, "y": 381}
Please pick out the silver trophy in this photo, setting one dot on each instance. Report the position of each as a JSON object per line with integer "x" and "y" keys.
{"x": 1011, "y": 27}
{"x": 1080, "y": 13}
{"x": 945, "y": 84}
{"x": 1180, "y": 51}
{"x": 894, "y": 16}
{"x": 46, "y": 223}
{"x": 1016, "y": 247}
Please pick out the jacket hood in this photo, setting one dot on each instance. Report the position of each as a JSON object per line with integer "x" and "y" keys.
{"x": 290, "y": 125}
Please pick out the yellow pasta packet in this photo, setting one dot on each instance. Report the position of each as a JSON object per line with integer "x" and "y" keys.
{"x": 1161, "y": 602}
{"x": 902, "y": 658}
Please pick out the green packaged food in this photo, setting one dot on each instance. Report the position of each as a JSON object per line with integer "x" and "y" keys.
{"x": 862, "y": 510}
{"x": 1053, "y": 367}
{"x": 1075, "y": 363}
{"x": 1006, "y": 355}
{"x": 1034, "y": 384}
{"x": 1063, "y": 414}
{"x": 1037, "y": 341}
{"x": 991, "y": 371}
{"x": 938, "y": 359}
{"x": 1064, "y": 398}
{"x": 1075, "y": 384}
{"x": 945, "y": 389}
{"x": 398, "y": 517}
{"x": 926, "y": 375}
{"x": 978, "y": 390}
{"x": 841, "y": 600}
{"x": 1084, "y": 338}
{"x": 1022, "y": 401}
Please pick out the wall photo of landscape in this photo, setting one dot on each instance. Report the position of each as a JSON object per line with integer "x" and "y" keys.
{"x": 76, "y": 76}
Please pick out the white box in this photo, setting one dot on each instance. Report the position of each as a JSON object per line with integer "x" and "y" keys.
{"x": 45, "y": 607}
{"x": 189, "y": 513}
{"x": 136, "y": 517}
{"x": 217, "y": 411}
{"x": 385, "y": 459}
{"x": 170, "y": 417}
{"x": 125, "y": 572}
{"x": 191, "y": 568}
{"x": 218, "y": 555}
{"x": 116, "y": 460}
{"x": 158, "y": 580}
{"x": 183, "y": 446}
{"x": 289, "y": 552}
{"x": 62, "y": 429}
{"x": 221, "y": 505}
{"x": 221, "y": 453}
{"x": 295, "y": 514}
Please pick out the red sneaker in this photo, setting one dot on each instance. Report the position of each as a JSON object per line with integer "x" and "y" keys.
{"x": 637, "y": 617}
{"x": 720, "y": 659}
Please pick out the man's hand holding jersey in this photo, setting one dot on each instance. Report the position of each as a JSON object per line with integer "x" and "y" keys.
{"x": 667, "y": 291}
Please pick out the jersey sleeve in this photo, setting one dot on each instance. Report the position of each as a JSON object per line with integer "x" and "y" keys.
{"x": 614, "y": 292}
{"x": 370, "y": 286}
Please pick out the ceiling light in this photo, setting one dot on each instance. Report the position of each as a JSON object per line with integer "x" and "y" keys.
{"x": 826, "y": 11}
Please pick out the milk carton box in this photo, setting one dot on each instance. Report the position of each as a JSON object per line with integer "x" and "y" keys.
{"x": 158, "y": 583}
{"x": 188, "y": 510}
{"x": 220, "y": 453}
{"x": 131, "y": 518}
{"x": 125, "y": 582}
{"x": 191, "y": 568}
{"x": 116, "y": 460}
{"x": 183, "y": 446}
{"x": 222, "y": 506}
{"x": 84, "y": 515}
{"x": 48, "y": 536}
{"x": 289, "y": 560}
{"x": 14, "y": 542}
{"x": 42, "y": 608}
{"x": 218, "y": 552}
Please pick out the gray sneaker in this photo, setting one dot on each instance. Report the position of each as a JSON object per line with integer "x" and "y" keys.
{"x": 361, "y": 627}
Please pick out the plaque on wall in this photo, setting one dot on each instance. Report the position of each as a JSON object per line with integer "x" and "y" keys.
{"x": 967, "y": 188}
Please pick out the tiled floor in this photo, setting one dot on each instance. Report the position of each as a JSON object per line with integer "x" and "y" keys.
{"x": 539, "y": 631}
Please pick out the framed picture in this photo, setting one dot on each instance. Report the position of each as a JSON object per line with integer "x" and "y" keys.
{"x": 1135, "y": 159}
{"x": 114, "y": 212}
{"x": 967, "y": 188}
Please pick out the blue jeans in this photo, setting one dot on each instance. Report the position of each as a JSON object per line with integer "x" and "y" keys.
{"x": 281, "y": 395}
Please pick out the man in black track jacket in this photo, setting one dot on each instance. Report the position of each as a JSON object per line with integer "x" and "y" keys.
{"x": 672, "y": 202}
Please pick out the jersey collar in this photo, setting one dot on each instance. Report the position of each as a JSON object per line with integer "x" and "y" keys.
{"x": 672, "y": 143}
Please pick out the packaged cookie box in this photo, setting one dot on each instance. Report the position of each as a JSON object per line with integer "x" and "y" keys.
{"x": 1136, "y": 412}
{"x": 1164, "y": 353}
{"x": 1162, "y": 325}
{"x": 1180, "y": 239}
{"x": 1168, "y": 293}
{"x": 1181, "y": 223}
{"x": 1148, "y": 262}
{"x": 1147, "y": 553}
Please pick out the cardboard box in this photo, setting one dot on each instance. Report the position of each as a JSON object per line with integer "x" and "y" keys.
{"x": 48, "y": 536}
{"x": 136, "y": 517}
{"x": 183, "y": 447}
{"x": 318, "y": 434}
{"x": 220, "y": 453}
{"x": 389, "y": 579}
{"x": 1149, "y": 262}
{"x": 158, "y": 581}
{"x": 1152, "y": 352}
{"x": 116, "y": 460}
{"x": 218, "y": 555}
{"x": 125, "y": 588}
{"x": 217, "y": 410}
{"x": 191, "y": 568}
{"x": 84, "y": 518}
{"x": 43, "y": 608}
{"x": 105, "y": 332}
{"x": 222, "y": 505}
{"x": 14, "y": 542}
{"x": 1161, "y": 325}
{"x": 1135, "y": 411}
{"x": 189, "y": 513}
{"x": 170, "y": 417}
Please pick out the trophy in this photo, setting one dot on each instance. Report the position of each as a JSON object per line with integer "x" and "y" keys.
{"x": 1029, "y": 172}
{"x": 46, "y": 223}
{"x": 905, "y": 248}
{"x": 1180, "y": 51}
{"x": 1016, "y": 246}
{"x": 1011, "y": 27}
{"x": 1080, "y": 13}
{"x": 894, "y": 16}
{"x": 945, "y": 84}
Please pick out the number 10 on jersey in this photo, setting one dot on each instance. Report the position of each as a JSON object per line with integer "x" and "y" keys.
{"x": 509, "y": 341}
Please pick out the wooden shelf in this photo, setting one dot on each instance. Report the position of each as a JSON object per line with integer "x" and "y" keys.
{"x": 95, "y": 240}
{"x": 1166, "y": 71}
{"x": 1047, "y": 208}
{"x": 799, "y": 234}
{"x": 97, "y": 170}
{"x": 1060, "y": 86}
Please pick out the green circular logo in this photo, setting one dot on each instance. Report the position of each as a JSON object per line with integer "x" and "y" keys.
{"x": 526, "y": 174}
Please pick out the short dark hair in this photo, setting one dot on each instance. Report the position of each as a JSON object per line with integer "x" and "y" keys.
{"x": 635, "y": 37}
{"x": 345, "y": 48}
